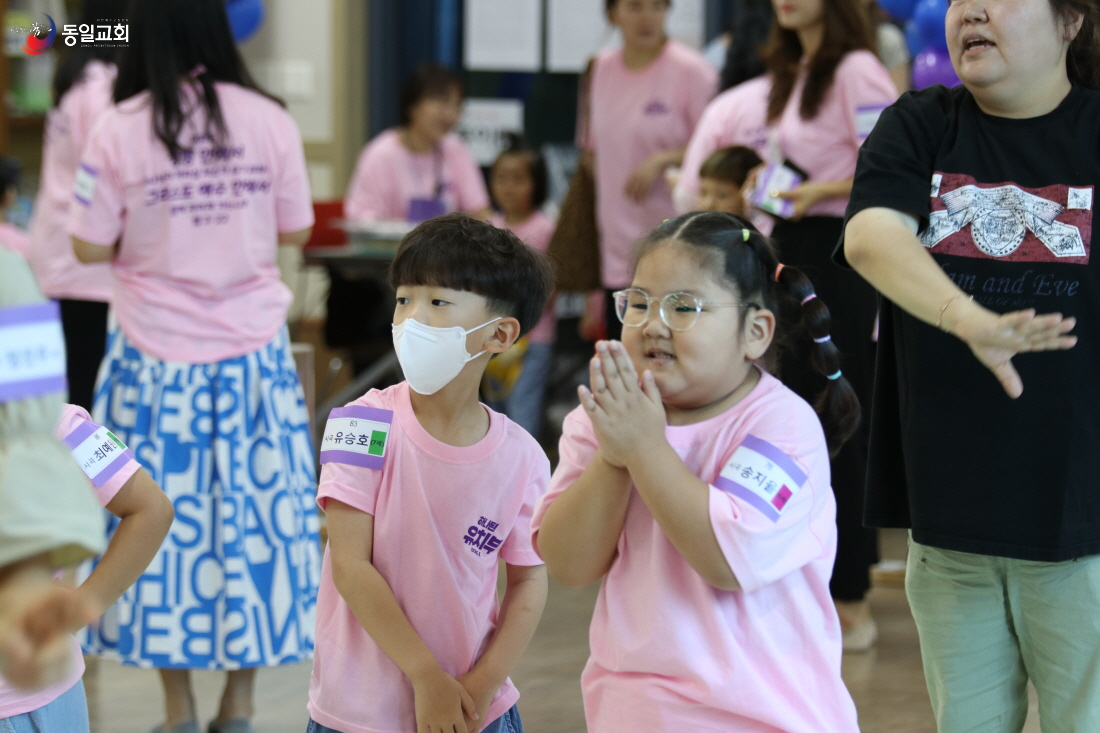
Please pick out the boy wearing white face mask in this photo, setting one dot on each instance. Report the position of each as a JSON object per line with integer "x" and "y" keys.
{"x": 425, "y": 488}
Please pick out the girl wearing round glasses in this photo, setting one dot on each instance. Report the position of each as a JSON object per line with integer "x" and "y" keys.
{"x": 701, "y": 491}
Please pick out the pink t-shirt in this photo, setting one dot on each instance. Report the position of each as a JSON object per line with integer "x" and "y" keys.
{"x": 389, "y": 175}
{"x": 58, "y": 271}
{"x": 635, "y": 114}
{"x": 536, "y": 231}
{"x": 826, "y": 146}
{"x": 15, "y": 239}
{"x": 74, "y": 427}
{"x": 196, "y": 278}
{"x": 670, "y": 652}
{"x": 737, "y": 116}
{"x": 441, "y": 513}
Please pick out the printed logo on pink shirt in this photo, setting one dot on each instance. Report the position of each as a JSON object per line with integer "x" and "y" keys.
{"x": 481, "y": 539}
{"x": 1007, "y": 222}
{"x": 657, "y": 107}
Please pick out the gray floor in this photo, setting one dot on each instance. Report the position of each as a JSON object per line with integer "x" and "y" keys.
{"x": 887, "y": 683}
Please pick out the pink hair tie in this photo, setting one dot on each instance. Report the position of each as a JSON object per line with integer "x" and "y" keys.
{"x": 778, "y": 269}
{"x": 197, "y": 71}
{"x": 808, "y": 298}
{"x": 823, "y": 339}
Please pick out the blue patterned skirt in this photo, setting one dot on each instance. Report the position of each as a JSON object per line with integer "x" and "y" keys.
{"x": 235, "y": 582}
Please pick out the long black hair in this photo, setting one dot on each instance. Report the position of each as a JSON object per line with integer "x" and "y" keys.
{"x": 748, "y": 262}
{"x": 75, "y": 58}
{"x": 1083, "y": 57}
{"x": 748, "y": 30}
{"x": 170, "y": 41}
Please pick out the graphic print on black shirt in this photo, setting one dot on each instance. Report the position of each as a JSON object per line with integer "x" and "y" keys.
{"x": 1009, "y": 222}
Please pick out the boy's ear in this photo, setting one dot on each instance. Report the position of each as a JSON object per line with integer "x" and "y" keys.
{"x": 503, "y": 336}
{"x": 759, "y": 332}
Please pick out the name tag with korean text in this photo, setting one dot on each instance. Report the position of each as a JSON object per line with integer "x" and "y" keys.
{"x": 357, "y": 436}
{"x": 763, "y": 476}
{"x": 97, "y": 451}
{"x": 84, "y": 184}
{"x": 866, "y": 118}
{"x": 32, "y": 351}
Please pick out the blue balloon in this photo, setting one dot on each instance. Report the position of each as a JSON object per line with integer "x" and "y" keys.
{"x": 899, "y": 10}
{"x": 933, "y": 66}
{"x": 929, "y": 18}
{"x": 913, "y": 38}
{"x": 245, "y": 17}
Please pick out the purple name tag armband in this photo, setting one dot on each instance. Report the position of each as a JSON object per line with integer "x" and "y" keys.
{"x": 762, "y": 475}
{"x": 357, "y": 436}
{"x": 97, "y": 451}
{"x": 32, "y": 351}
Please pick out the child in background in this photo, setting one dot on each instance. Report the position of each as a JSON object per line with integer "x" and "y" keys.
{"x": 11, "y": 236}
{"x": 701, "y": 491}
{"x": 722, "y": 178}
{"x": 144, "y": 516}
{"x": 424, "y": 489}
{"x": 518, "y": 184}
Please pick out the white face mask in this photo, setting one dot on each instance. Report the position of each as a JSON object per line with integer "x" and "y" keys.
{"x": 431, "y": 357}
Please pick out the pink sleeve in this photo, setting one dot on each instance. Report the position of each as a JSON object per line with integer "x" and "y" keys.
{"x": 354, "y": 485}
{"x": 760, "y": 543}
{"x": 74, "y": 418}
{"x": 368, "y": 192}
{"x": 575, "y": 450}
{"x": 99, "y": 198}
{"x": 705, "y": 140}
{"x": 83, "y": 105}
{"x": 293, "y": 203}
{"x": 519, "y": 548}
{"x": 865, "y": 89}
{"x": 469, "y": 183}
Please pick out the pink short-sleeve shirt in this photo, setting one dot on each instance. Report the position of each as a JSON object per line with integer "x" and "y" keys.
{"x": 826, "y": 147}
{"x": 55, "y": 266}
{"x": 388, "y": 176}
{"x": 670, "y": 652}
{"x": 196, "y": 278}
{"x": 443, "y": 515}
{"x": 76, "y": 430}
{"x": 536, "y": 232}
{"x": 633, "y": 115}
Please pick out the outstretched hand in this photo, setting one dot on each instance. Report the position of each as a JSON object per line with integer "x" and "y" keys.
{"x": 996, "y": 339}
{"x": 626, "y": 412}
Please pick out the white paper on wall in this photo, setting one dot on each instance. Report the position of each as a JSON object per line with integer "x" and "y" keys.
{"x": 503, "y": 35}
{"x": 485, "y": 124}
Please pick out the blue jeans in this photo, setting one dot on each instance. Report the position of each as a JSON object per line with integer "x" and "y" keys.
{"x": 507, "y": 723}
{"x": 68, "y": 713}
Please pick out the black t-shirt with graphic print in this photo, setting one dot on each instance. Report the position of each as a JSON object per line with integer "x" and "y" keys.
{"x": 1006, "y": 209}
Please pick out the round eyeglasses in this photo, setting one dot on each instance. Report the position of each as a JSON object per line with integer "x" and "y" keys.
{"x": 678, "y": 311}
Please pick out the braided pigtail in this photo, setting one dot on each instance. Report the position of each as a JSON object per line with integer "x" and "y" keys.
{"x": 838, "y": 406}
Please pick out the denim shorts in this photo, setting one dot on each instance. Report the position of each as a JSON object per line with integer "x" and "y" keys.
{"x": 507, "y": 723}
{"x": 68, "y": 713}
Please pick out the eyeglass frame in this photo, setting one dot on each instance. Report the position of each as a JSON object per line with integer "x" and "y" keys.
{"x": 661, "y": 307}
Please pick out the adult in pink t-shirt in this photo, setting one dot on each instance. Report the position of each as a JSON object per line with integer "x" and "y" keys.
{"x": 443, "y": 518}
{"x": 84, "y": 291}
{"x": 737, "y": 116}
{"x": 819, "y": 128}
{"x": 110, "y": 467}
{"x": 187, "y": 186}
{"x": 420, "y": 168}
{"x": 644, "y": 101}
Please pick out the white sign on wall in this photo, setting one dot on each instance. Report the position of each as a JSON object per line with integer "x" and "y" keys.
{"x": 503, "y": 35}
{"x": 485, "y": 125}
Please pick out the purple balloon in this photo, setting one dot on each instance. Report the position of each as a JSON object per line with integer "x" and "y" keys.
{"x": 933, "y": 66}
